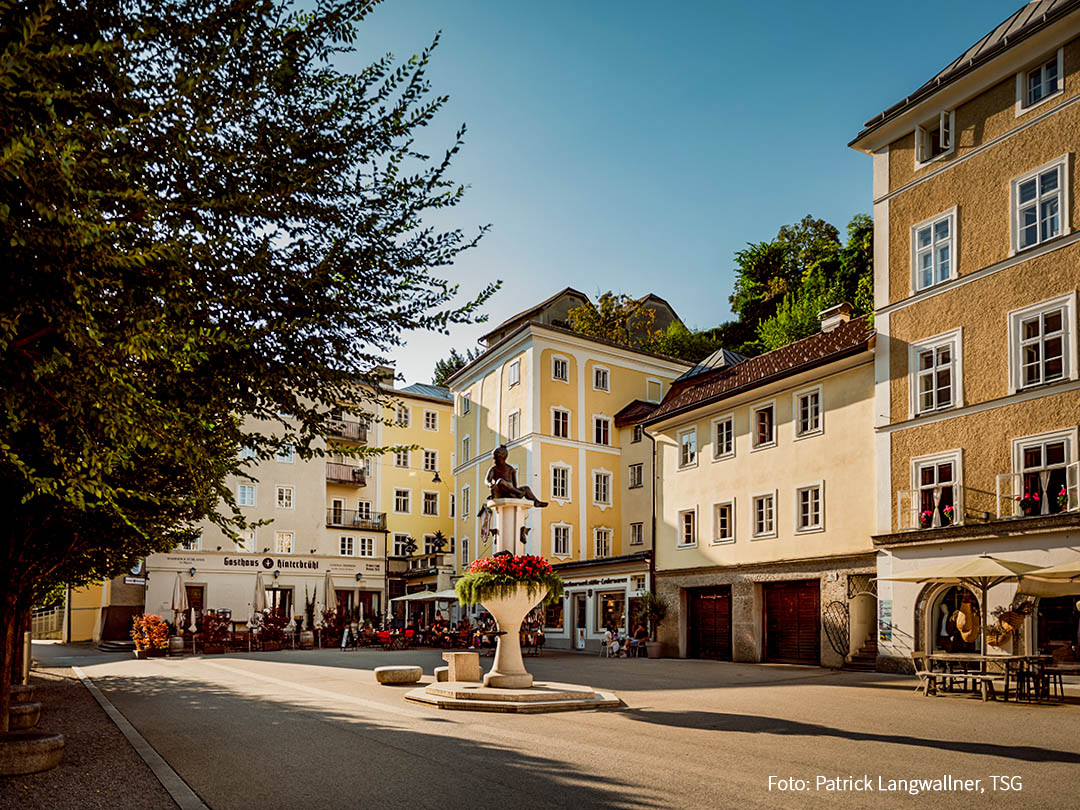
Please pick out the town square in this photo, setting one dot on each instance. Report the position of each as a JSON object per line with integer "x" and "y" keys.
{"x": 697, "y": 425}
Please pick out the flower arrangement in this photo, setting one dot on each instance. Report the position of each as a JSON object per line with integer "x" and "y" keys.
{"x": 1063, "y": 498}
{"x": 926, "y": 518}
{"x": 947, "y": 513}
{"x": 272, "y": 629}
{"x": 332, "y": 625}
{"x": 1029, "y": 502}
{"x": 215, "y": 627}
{"x": 149, "y": 632}
{"x": 500, "y": 576}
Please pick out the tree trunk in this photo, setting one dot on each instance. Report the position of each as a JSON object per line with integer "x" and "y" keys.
{"x": 10, "y": 622}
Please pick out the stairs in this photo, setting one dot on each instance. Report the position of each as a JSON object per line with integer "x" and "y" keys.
{"x": 865, "y": 660}
{"x": 116, "y": 646}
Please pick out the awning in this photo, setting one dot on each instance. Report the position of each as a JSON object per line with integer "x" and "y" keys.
{"x": 1057, "y": 580}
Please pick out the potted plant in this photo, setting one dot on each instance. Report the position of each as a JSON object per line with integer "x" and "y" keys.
{"x": 1063, "y": 499}
{"x": 272, "y": 632}
{"x": 215, "y": 632}
{"x": 1029, "y": 503}
{"x": 652, "y": 611}
{"x": 947, "y": 514}
{"x": 150, "y": 634}
{"x": 332, "y": 626}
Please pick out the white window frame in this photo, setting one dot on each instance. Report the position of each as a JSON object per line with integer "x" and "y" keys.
{"x": 954, "y": 457}
{"x": 717, "y": 540}
{"x": 755, "y": 534}
{"x": 955, "y": 340}
{"x": 286, "y": 454}
{"x": 637, "y": 533}
{"x": 513, "y": 373}
{"x": 402, "y": 417}
{"x": 555, "y": 359}
{"x": 1064, "y": 166}
{"x": 466, "y": 404}
{"x": 635, "y": 471}
{"x": 466, "y": 450}
{"x": 403, "y": 538}
{"x": 465, "y": 504}
{"x": 465, "y": 552}
{"x": 952, "y": 241}
{"x": 249, "y": 542}
{"x": 598, "y": 475}
{"x": 191, "y": 545}
{"x": 513, "y": 425}
{"x": 946, "y": 122}
{"x": 1069, "y": 348}
{"x": 796, "y": 412}
{"x": 1070, "y": 436}
{"x": 433, "y": 418}
{"x": 610, "y": 539}
{"x": 284, "y": 542}
{"x": 797, "y": 516}
{"x": 363, "y": 509}
{"x": 569, "y": 416}
{"x": 569, "y": 497}
{"x": 649, "y": 381}
{"x": 569, "y": 540}
{"x": 597, "y": 371}
{"x": 597, "y": 420}
{"x": 433, "y": 457}
{"x": 407, "y": 500}
{"x": 366, "y": 546}
{"x": 346, "y": 541}
{"x": 240, "y": 488}
{"x": 637, "y": 434}
{"x": 761, "y": 406}
{"x": 1022, "y": 104}
{"x": 680, "y": 538}
{"x": 285, "y": 497}
{"x": 401, "y": 456}
{"x": 687, "y": 462}
{"x": 424, "y": 503}
{"x": 714, "y": 435}
{"x": 428, "y": 546}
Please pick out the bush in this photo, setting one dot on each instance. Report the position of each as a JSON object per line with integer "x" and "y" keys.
{"x": 499, "y": 576}
{"x": 149, "y": 632}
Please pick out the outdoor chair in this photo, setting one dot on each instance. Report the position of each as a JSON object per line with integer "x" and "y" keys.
{"x": 927, "y": 678}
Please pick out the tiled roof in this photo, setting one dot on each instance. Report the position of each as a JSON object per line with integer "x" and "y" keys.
{"x": 427, "y": 391}
{"x": 634, "y": 413}
{"x": 801, "y": 355}
{"x": 1027, "y": 20}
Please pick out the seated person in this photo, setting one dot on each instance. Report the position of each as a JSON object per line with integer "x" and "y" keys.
{"x": 641, "y": 635}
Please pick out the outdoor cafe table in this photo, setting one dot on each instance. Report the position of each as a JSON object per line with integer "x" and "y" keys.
{"x": 950, "y": 660}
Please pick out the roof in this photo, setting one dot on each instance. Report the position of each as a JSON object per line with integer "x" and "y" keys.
{"x": 426, "y": 392}
{"x": 634, "y": 413}
{"x": 1022, "y": 24}
{"x": 802, "y": 355}
{"x": 721, "y": 358}
{"x": 533, "y": 310}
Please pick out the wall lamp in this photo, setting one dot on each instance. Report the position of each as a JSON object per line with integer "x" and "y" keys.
{"x": 435, "y": 479}
{"x": 359, "y": 576}
{"x": 277, "y": 574}
{"x": 191, "y": 571}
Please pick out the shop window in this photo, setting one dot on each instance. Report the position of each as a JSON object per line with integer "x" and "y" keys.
{"x": 956, "y": 623}
{"x": 1057, "y": 620}
{"x": 553, "y": 615}
{"x": 611, "y": 610}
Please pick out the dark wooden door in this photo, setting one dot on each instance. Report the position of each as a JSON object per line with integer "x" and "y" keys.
{"x": 793, "y": 622}
{"x": 709, "y": 626}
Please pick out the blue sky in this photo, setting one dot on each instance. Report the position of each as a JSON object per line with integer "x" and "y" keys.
{"x": 636, "y": 146}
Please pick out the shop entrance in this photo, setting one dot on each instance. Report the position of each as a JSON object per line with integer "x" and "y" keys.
{"x": 954, "y": 621}
{"x": 279, "y": 600}
{"x": 709, "y": 625}
{"x": 793, "y": 621}
{"x": 1057, "y": 627}
{"x": 577, "y": 631}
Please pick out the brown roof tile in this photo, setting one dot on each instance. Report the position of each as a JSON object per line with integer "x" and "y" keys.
{"x": 634, "y": 413}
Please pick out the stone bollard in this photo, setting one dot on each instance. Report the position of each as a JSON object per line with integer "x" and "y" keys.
{"x": 463, "y": 666}
{"x": 442, "y": 674}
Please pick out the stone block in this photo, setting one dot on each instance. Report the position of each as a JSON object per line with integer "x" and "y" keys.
{"x": 24, "y": 715}
{"x": 29, "y": 751}
{"x": 442, "y": 674}
{"x": 398, "y": 674}
{"x": 463, "y": 666}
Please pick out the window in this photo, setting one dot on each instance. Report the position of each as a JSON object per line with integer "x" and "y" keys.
{"x": 245, "y": 495}
{"x": 191, "y": 545}
{"x": 363, "y": 510}
{"x": 935, "y": 380}
{"x": 402, "y": 419}
{"x": 367, "y": 546}
{"x": 601, "y": 430}
{"x": 765, "y": 515}
{"x": 401, "y": 545}
{"x": 724, "y": 522}
{"x": 401, "y": 501}
{"x": 933, "y": 253}
{"x": 639, "y": 431}
{"x": 451, "y": 546}
{"x": 602, "y": 542}
{"x": 637, "y": 534}
{"x": 283, "y": 542}
{"x": 464, "y": 552}
{"x": 247, "y": 542}
{"x": 453, "y": 505}
{"x": 284, "y": 497}
{"x": 935, "y": 138}
{"x": 601, "y": 378}
{"x": 808, "y": 413}
{"x": 465, "y": 502}
{"x": 401, "y": 458}
{"x": 431, "y": 420}
{"x": 466, "y": 403}
{"x": 724, "y": 437}
{"x": 764, "y": 421}
{"x": 1039, "y": 211}
{"x": 560, "y": 483}
{"x": 1043, "y": 342}
{"x": 286, "y": 453}
{"x": 560, "y": 423}
{"x": 1042, "y": 462}
{"x": 369, "y": 467}
{"x": 635, "y": 477}
{"x": 429, "y": 544}
{"x": 688, "y": 448}
{"x": 602, "y": 488}
{"x": 465, "y": 449}
{"x": 1039, "y": 83}
{"x": 345, "y": 546}
{"x": 431, "y": 504}
{"x": 808, "y": 508}
{"x": 513, "y": 429}
{"x": 514, "y": 372}
{"x": 560, "y": 369}
{"x": 560, "y": 540}
{"x": 247, "y": 453}
{"x": 936, "y": 484}
{"x": 431, "y": 461}
{"x": 654, "y": 390}
{"x": 688, "y": 527}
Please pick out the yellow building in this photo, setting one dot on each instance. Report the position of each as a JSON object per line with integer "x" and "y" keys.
{"x": 564, "y": 406}
{"x": 977, "y": 268}
{"x": 765, "y": 501}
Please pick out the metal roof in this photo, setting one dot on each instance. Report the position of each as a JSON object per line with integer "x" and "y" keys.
{"x": 427, "y": 391}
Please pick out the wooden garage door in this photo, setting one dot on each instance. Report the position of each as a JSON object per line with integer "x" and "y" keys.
{"x": 793, "y": 622}
{"x": 709, "y": 628}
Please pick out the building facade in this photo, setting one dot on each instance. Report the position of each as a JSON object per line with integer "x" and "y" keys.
{"x": 977, "y": 266}
{"x": 765, "y": 506}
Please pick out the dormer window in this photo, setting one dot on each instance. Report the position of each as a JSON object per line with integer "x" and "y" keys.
{"x": 935, "y": 137}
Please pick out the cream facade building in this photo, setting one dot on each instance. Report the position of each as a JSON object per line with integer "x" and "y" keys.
{"x": 563, "y": 404}
{"x": 977, "y": 269}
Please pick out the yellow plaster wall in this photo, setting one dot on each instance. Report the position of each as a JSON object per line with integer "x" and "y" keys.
{"x": 557, "y": 394}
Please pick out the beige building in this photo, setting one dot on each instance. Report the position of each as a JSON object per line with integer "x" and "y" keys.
{"x": 566, "y": 406}
{"x": 765, "y": 502}
{"x": 976, "y": 274}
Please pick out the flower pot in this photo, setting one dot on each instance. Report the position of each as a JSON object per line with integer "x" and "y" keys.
{"x": 155, "y": 652}
{"x": 141, "y": 654}
{"x": 654, "y": 649}
{"x": 508, "y": 670}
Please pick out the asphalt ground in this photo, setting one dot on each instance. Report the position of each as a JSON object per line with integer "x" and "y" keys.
{"x": 300, "y": 729}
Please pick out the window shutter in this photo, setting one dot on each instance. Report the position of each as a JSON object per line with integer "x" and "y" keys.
{"x": 944, "y": 133}
{"x": 1072, "y": 478}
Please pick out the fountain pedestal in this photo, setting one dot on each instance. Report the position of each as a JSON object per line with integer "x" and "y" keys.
{"x": 508, "y": 670}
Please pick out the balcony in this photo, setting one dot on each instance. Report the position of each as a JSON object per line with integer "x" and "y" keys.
{"x": 345, "y": 474}
{"x": 349, "y": 431}
{"x": 1039, "y": 493}
{"x": 354, "y": 519}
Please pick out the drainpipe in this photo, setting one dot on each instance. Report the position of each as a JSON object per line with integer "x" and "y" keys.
{"x": 652, "y": 527}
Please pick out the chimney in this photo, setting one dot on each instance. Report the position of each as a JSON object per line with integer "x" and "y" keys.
{"x": 835, "y": 316}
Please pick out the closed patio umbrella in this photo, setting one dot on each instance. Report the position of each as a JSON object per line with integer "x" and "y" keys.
{"x": 328, "y": 589}
{"x": 179, "y": 598}
{"x": 258, "y": 599}
{"x": 982, "y": 573}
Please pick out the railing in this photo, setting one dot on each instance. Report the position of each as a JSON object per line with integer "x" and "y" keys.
{"x": 349, "y": 431}
{"x": 345, "y": 474}
{"x": 1038, "y": 497}
{"x": 47, "y": 622}
{"x": 912, "y": 513}
{"x": 355, "y": 519}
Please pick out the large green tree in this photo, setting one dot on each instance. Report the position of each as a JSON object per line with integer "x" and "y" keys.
{"x": 202, "y": 221}
{"x": 450, "y": 365}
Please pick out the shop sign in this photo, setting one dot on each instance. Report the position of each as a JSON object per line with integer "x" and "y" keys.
{"x": 885, "y": 620}
{"x": 598, "y": 581}
{"x": 134, "y": 580}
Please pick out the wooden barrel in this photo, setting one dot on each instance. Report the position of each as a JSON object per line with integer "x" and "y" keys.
{"x": 176, "y": 645}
